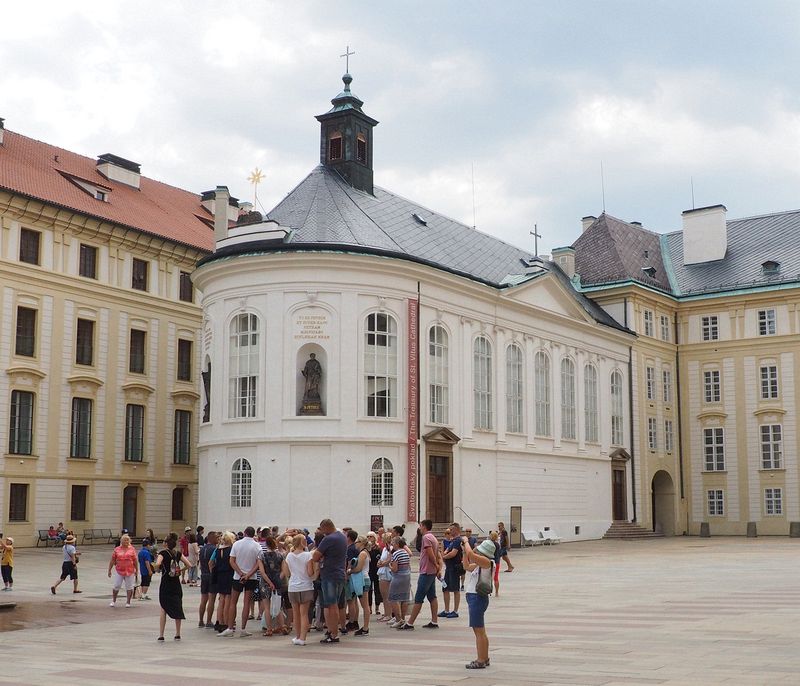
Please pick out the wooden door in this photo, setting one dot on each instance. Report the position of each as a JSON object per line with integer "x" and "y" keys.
{"x": 618, "y": 495}
{"x": 439, "y": 488}
{"x": 515, "y": 526}
{"x": 130, "y": 498}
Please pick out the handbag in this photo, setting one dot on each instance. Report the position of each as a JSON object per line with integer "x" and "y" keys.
{"x": 485, "y": 576}
{"x": 274, "y": 604}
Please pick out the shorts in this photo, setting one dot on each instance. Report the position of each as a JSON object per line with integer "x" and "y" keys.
{"x": 119, "y": 581}
{"x": 400, "y": 588}
{"x": 249, "y": 585}
{"x": 426, "y": 588}
{"x": 69, "y": 570}
{"x": 146, "y": 580}
{"x": 451, "y": 578}
{"x": 224, "y": 583}
{"x": 332, "y": 592}
{"x": 477, "y": 604}
{"x": 206, "y": 587}
{"x": 503, "y": 552}
{"x": 300, "y": 597}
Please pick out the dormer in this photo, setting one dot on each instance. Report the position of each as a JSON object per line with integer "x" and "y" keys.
{"x": 770, "y": 268}
{"x": 119, "y": 169}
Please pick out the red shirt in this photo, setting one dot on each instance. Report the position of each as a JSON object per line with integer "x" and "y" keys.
{"x": 125, "y": 560}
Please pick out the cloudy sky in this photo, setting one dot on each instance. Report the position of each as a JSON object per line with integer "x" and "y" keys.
{"x": 533, "y": 96}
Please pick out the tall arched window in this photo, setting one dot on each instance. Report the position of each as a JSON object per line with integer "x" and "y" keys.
{"x": 243, "y": 366}
{"x": 482, "y": 382}
{"x": 514, "y": 389}
{"x": 439, "y": 384}
{"x": 380, "y": 365}
{"x": 382, "y": 483}
{"x": 241, "y": 484}
{"x": 541, "y": 370}
{"x": 590, "y": 403}
{"x": 568, "y": 399}
{"x": 616, "y": 408}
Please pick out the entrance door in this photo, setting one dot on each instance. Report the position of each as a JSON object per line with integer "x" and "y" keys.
{"x": 663, "y": 503}
{"x": 618, "y": 495}
{"x": 515, "y": 526}
{"x": 439, "y": 488}
{"x": 130, "y": 498}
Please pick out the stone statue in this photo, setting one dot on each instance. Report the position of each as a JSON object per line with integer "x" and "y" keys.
{"x": 312, "y": 373}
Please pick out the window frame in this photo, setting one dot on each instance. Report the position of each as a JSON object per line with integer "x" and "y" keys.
{"x": 13, "y": 505}
{"x": 569, "y": 404}
{"x": 714, "y": 448}
{"x": 244, "y": 365}
{"x": 25, "y": 341}
{"x": 665, "y": 327}
{"x": 241, "y": 483}
{"x": 19, "y": 444}
{"x": 515, "y": 389}
{"x": 769, "y": 384}
{"x": 382, "y": 483}
{"x": 669, "y": 436}
{"x": 617, "y": 408}
{"x": 591, "y": 404}
{"x": 652, "y": 434}
{"x": 381, "y": 364}
{"x": 650, "y": 382}
{"x": 81, "y": 428}
{"x": 139, "y": 281}
{"x": 178, "y": 504}
{"x": 482, "y": 384}
{"x": 649, "y": 323}
{"x": 182, "y": 437}
{"x": 544, "y": 391}
{"x": 134, "y": 432}
{"x": 183, "y": 359}
{"x": 26, "y": 250}
{"x": 767, "y": 322}
{"x": 84, "y": 349}
{"x": 84, "y": 262}
{"x": 185, "y": 287}
{"x": 137, "y": 358}
{"x": 770, "y": 437}
{"x": 339, "y": 147}
{"x": 715, "y": 502}
{"x": 773, "y": 501}
{"x": 666, "y": 386}
{"x": 78, "y": 514}
{"x": 438, "y": 375}
{"x": 712, "y": 386}
{"x": 709, "y": 327}
{"x": 361, "y": 148}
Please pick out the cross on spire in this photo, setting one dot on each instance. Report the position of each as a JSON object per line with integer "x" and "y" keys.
{"x": 536, "y": 236}
{"x": 346, "y": 55}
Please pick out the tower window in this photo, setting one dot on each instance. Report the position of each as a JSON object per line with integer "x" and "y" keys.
{"x": 335, "y": 147}
{"x": 361, "y": 149}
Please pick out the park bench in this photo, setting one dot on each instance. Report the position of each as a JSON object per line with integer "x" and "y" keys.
{"x": 45, "y": 538}
{"x": 97, "y": 536}
{"x": 549, "y": 537}
{"x": 530, "y": 538}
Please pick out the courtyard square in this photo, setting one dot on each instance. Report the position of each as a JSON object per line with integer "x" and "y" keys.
{"x": 601, "y": 613}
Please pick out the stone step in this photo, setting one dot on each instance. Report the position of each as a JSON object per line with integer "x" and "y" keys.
{"x": 630, "y": 531}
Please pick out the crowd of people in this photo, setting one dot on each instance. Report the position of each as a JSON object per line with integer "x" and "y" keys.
{"x": 333, "y": 581}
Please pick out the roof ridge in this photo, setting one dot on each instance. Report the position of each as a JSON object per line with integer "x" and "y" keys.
{"x": 766, "y": 214}
{"x": 633, "y": 226}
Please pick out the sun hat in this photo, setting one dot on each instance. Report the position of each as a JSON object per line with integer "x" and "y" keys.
{"x": 187, "y": 529}
{"x": 10, "y": 540}
{"x": 486, "y": 548}
{"x": 69, "y": 539}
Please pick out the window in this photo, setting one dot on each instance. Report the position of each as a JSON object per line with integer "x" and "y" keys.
{"x": 773, "y": 501}
{"x": 669, "y": 436}
{"x": 206, "y": 377}
{"x": 710, "y": 327}
{"x": 590, "y": 404}
{"x": 335, "y": 147}
{"x": 81, "y": 428}
{"x": 714, "y": 448}
{"x": 184, "y": 360}
{"x": 361, "y": 149}
{"x": 648, "y": 323}
{"x": 616, "y": 408}
{"x": 650, "y": 382}
{"x": 482, "y": 383}
{"x": 382, "y": 483}
{"x": 134, "y": 433}
{"x": 136, "y": 354}
{"x": 568, "y": 399}
{"x": 716, "y": 503}
{"x": 711, "y": 386}
{"x": 666, "y": 378}
{"x": 771, "y": 446}
{"x": 20, "y": 435}
{"x": 380, "y": 365}
{"x": 77, "y": 506}
{"x": 664, "y": 320}
{"x": 139, "y": 270}
{"x": 25, "y": 343}
{"x": 29, "y": 242}
{"x": 177, "y": 504}
{"x": 243, "y": 366}
{"x": 652, "y": 433}
{"x": 766, "y": 323}
{"x": 186, "y": 288}
{"x": 18, "y": 503}
{"x": 769, "y": 382}
{"x": 541, "y": 370}
{"x": 84, "y": 342}
{"x": 100, "y": 195}
{"x": 438, "y": 362}
{"x": 241, "y": 483}
{"x": 514, "y": 389}
{"x": 87, "y": 261}
{"x": 181, "y": 448}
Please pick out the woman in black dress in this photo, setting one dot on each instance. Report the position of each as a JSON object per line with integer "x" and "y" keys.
{"x": 170, "y": 594}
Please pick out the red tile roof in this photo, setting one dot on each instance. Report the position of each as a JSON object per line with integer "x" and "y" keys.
{"x": 41, "y": 171}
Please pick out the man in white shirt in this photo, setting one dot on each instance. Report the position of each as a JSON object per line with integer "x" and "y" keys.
{"x": 244, "y": 560}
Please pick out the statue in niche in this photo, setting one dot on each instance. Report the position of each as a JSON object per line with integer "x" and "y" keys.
{"x": 312, "y": 373}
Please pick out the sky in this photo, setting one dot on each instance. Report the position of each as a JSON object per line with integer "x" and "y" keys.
{"x": 497, "y": 114}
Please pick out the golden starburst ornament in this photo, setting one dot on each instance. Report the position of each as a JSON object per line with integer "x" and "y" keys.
{"x": 256, "y": 177}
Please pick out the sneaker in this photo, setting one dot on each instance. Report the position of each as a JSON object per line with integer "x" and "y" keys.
{"x": 226, "y": 632}
{"x": 430, "y": 625}
{"x": 406, "y": 627}
{"x": 210, "y": 626}
{"x": 299, "y": 642}
{"x": 362, "y": 632}
{"x": 244, "y": 634}
{"x": 443, "y": 613}
{"x": 330, "y": 639}
{"x": 112, "y": 604}
{"x": 392, "y": 623}
{"x": 451, "y": 615}
{"x": 53, "y": 590}
{"x": 200, "y": 625}
{"x": 127, "y": 605}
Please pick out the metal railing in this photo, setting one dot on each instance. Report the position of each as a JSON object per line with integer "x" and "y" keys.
{"x": 461, "y": 509}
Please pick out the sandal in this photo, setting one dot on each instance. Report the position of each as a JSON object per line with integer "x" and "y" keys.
{"x": 160, "y": 638}
{"x": 266, "y": 632}
{"x": 475, "y": 664}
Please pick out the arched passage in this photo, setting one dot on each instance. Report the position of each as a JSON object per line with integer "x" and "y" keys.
{"x": 663, "y": 491}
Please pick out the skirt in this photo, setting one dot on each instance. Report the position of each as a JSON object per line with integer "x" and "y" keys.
{"x": 170, "y": 597}
{"x": 400, "y": 588}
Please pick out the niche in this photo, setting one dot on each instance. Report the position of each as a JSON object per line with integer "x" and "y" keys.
{"x": 311, "y": 406}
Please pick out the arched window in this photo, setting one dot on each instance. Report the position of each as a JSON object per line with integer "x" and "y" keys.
{"x": 590, "y": 403}
{"x": 382, "y": 483}
{"x": 541, "y": 370}
{"x": 482, "y": 382}
{"x": 568, "y": 399}
{"x": 243, "y": 367}
{"x": 380, "y": 365}
{"x": 514, "y": 389}
{"x": 206, "y": 377}
{"x": 438, "y": 363}
{"x": 241, "y": 484}
{"x": 335, "y": 147}
{"x": 616, "y": 408}
{"x": 361, "y": 148}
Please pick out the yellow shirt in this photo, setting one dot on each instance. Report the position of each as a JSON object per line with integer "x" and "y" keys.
{"x": 8, "y": 557}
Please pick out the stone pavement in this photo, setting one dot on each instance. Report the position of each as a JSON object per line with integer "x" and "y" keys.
{"x": 601, "y": 613}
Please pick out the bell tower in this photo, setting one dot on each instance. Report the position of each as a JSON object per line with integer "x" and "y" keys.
{"x": 345, "y": 142}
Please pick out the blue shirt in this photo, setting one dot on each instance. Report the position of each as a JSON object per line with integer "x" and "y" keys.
{"x": 333, "y": 549}
{"x": 144, "y": 557}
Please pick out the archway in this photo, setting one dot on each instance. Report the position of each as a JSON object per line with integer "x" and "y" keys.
{"x": 663, "y": 492}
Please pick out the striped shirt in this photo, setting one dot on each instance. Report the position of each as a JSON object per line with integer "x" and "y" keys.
{"x": 402, "y": 560}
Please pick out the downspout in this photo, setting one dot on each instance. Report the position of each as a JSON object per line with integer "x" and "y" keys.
{"x": 630, "y": 412}
{"x": 419, "y": 410}
{"x": 679, "y": 406}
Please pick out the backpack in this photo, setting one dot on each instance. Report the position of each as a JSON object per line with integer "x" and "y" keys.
{"x": 174, "y": 566}
{"x": 485, "y": 576}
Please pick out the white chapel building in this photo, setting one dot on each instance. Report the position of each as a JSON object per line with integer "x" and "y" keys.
{"x": 364, "y": 356}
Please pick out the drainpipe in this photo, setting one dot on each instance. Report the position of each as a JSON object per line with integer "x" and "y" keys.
{"x": 630, "y": 412}
{"x": 679, "y": 406}
{"x": 419, "y": 411}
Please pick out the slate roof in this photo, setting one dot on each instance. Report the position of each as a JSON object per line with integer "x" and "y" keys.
{"x": 41, "y": 171}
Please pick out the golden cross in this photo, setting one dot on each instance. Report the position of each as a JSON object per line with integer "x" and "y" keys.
{"x": 256, "y": 177}
{"x": 346, "y": 55}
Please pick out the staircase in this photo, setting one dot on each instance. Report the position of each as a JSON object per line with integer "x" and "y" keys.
{"x": 629, "y": 531}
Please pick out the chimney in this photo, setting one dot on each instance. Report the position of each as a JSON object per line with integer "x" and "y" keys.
{"x": 587, "y": 221}
{"x": 221, "y": 197}
{"x": 119, "y": 169}
{"x": 705, "y": 234}
{"x": 565, "y": 258}
{"x": 2, "y": 128}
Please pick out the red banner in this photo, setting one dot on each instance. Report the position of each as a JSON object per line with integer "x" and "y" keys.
{"x": 413, "y": 410}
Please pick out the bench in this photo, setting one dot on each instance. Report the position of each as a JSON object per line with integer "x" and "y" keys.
{"x": 531, "y": 538}
{"x": 549, "y": 537}
{"x": 45, "y": 538}
{"x": 97, "y": 536}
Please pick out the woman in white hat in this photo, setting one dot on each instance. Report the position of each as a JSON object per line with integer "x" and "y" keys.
{"x": 478, "y": 587}
{"x": 69, "y": 566}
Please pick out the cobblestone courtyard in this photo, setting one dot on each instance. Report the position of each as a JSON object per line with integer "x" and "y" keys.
{"x": 669, "y": 611}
